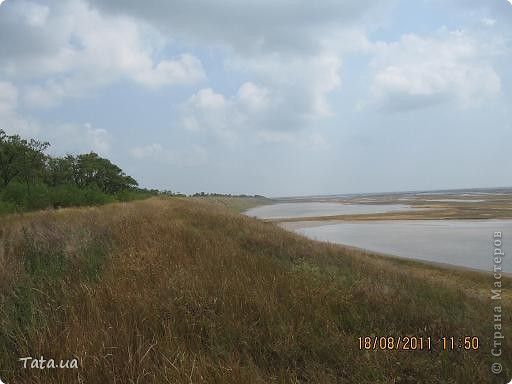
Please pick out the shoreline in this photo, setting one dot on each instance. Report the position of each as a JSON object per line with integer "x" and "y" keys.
{"x": 423, "y": 210}
{"x": 397, "y": 258}
{"x": 297, "y": 225}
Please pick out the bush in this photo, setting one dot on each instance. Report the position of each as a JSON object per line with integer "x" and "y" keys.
{"x": 34, "y": 180}
{"x": 16, "y": 197}
{"x": 15, "y": 193}
{"x": 131, "y": 195}
{"x": 38, "y": 197}
{"x": 94, "y": 196}
{"x": 67, "y": 196}
{"x": 7, "y": 207}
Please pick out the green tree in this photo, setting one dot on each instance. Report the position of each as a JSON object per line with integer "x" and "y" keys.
{"x": 30, "y": 179}
{"x": 60, "y": 170}
{"x": 20, "y": 158}
{"x": 91, "y": 169}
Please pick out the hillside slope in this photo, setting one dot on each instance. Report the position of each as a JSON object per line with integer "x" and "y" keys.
{"x": 183, "y": 291}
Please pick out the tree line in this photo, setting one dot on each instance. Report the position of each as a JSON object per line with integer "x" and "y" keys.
{"x": 31, "y": 179}
{"x": 206, "y": 194}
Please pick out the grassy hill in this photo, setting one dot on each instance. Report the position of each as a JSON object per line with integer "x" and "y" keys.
{"x": 187, "y": 291}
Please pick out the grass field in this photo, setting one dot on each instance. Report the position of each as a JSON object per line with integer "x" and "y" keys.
{"x": 237, "y": 204}
{"x": 177, "y": 290}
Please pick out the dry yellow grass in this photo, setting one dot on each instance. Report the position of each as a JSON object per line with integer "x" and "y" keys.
{"x": 184, "y": 291}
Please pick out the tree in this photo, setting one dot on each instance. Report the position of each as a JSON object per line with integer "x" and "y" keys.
{"x": 20, "y": 158}
{"x": 59, "y": 170}
{"x": 30, "y": 179}
{"x": 91, "y": 169}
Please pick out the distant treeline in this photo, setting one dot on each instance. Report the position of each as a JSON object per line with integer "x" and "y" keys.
{"x": 30, "y": 179}
{"x": 204, "y": 194}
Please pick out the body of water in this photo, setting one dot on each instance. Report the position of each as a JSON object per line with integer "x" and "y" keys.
{"x": 466, "y": 243}
{"x": 317, "y": 209}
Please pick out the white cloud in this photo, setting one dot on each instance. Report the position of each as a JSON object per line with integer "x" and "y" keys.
{"x": 419, "y": 71}
{"x": 8, "y": 97}
{"x": 252, "y": 114}
{"x": 288, "y": 93}
{"x": 292, "y": 51}
{"x": 488, "y": 22}
{"x": 146, "y": 151}
{"x": 300, "y": 84}
{"x": 78, "y": 138}
{"x": 50, "y": 94}
{"x": 37, "y": 16}
{"x": 210, "y": 112}
{"x": 253, "y": 97}
{"x": 292, "y": 54}
{"x": 185, "y": 69}
{"x": 251, "y": 29}
{"x": 193, "y": 155}
{"x": 63, "y": 137}
{"x": 34, "y": 14}
{"x": 10, "y": 120}
{"x": 79, "y": 49}
{"x": 207, "y": 99}
{"x": 306, "y": 141}
{"x": 99, "y": 139}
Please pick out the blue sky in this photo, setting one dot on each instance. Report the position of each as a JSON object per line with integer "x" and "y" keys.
{"x": 269, "y": 97}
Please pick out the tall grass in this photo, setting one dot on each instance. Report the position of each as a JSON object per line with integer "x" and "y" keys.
{"x": 181, "y": 291}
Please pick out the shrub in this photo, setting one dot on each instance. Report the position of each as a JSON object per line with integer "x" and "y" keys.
{"x": 94, "y": 196}
{"x": 67, "y": 196}
{"x": 7, "y": 207}
{"x": 38, "y": 197}
{"x": 131, "y": 195}
{"x": 15, "y": 193}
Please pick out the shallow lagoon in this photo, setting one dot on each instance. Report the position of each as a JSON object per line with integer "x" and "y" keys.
{"x": 317, "y": 209}
{"x": 466, "y": 243}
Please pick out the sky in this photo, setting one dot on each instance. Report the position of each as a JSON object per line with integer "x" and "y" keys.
{"x": 272, "y": 97}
